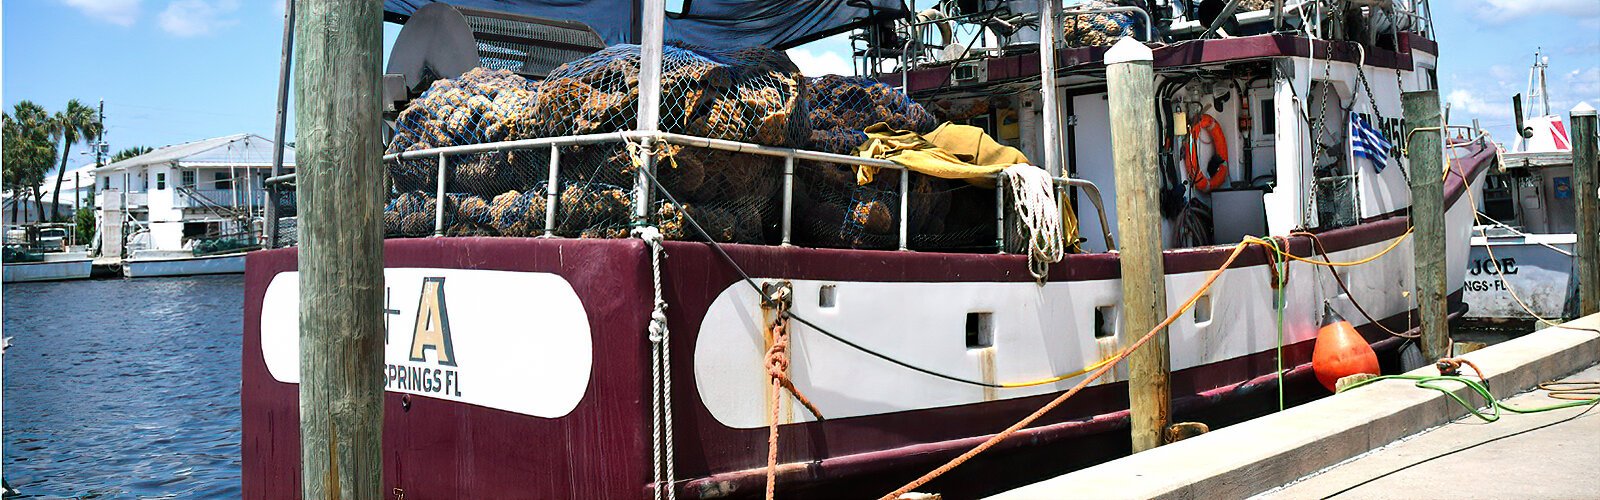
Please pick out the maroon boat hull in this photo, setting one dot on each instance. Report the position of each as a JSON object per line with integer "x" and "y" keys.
{"x": 435, "y": 448}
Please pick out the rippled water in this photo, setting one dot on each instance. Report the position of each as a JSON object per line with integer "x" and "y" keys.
{"x": 123, "y": 388}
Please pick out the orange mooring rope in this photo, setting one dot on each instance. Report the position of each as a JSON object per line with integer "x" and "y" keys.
{"x": 778, "y": 373}
{"x": 1064, "y": 396}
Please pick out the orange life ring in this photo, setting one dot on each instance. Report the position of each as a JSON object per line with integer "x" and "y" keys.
{"x": 1197, "y": 174}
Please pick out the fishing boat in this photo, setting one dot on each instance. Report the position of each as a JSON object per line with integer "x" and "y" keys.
{"x": 40, "y": 252}
{"x": 1521, "y": 266}
{"x": 561, "y": 366}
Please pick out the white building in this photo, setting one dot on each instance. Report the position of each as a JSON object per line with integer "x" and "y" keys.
{"x": 174, "y": 195}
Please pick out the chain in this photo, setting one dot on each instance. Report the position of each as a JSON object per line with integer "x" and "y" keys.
{"x": 660, "y": 373}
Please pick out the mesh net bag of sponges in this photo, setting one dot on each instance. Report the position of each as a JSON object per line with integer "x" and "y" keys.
{"x": 831, "y": 209}
{"x": 1094, "y": 29}
{"x": 748, "y": 95}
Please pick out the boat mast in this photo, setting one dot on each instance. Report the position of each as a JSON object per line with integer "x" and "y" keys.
{"x": 1538, "y": 94}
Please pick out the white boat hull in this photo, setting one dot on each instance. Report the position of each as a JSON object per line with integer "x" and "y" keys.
{"x": 22, "y": 272}
{"x": 184, "y": 266}
{"x": 1518, "y": 277}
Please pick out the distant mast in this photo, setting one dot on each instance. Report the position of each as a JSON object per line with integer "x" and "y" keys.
{"x": 1538, "y": 93}
{"x": 1549, "y": 133}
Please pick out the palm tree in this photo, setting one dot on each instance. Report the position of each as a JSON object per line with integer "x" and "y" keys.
{"x": 77, "y": 122}
{"x": 127, "y": 153}
{"x": 28, "y": 152}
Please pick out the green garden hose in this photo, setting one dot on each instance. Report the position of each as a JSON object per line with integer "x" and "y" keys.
{"x": 1570, "y": 390}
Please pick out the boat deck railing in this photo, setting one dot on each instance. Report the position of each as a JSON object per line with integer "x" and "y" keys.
{"x": 641, "y": 194}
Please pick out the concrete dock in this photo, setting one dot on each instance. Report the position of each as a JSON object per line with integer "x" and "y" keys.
{"x": 1538, "y": 455}
{"x": 1326, "y": 446}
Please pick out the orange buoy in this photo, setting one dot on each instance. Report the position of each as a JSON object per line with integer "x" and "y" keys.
{"x": 1340, "y": 351}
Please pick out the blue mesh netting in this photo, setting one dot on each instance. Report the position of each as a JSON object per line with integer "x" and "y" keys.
{"x": 748, "y": 95}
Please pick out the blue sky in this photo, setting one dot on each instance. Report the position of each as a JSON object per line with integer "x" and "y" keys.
{"x": 180, "y": 70}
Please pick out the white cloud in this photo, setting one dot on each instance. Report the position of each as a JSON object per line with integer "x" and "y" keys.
{"x": 1463, "y": 100}
{"x": 198, "y": 17}
{"x": 820, "y": 63}
{"x": 1583, "y": 83}
{"x": 1502, "y": 11}
{"x": 118, "y": 12}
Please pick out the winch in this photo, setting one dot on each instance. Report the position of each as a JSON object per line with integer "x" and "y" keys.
{"x": 444, "y": 41}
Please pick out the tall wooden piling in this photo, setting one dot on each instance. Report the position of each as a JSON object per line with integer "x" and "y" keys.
{"x": 337, "y": 61}
{"x": 1130, "y": 79}
{"x": 1425, "y": 152}
{"x": 1586, "y": 183}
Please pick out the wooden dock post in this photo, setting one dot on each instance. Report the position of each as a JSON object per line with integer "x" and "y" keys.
{"x": 1130, "y": 79}
{"x": 1586, "y": 183}
{"x": 1424, "y": 143}
{"x": 337, "y": 61}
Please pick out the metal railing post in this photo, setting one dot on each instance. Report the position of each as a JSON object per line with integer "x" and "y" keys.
{"x": 788, "y": 199}
{"x": 905, "y": 212}
{"x": 438, "y": 200}
{"x": 551, "y": 200}
{"x": 1000, "y": 213}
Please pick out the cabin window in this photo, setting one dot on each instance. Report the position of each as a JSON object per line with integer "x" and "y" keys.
{"x": 1266, "y": 119}
{"x": 161, "y": 180}
{"x": 105, "y": 183}
{"x": 222, "y": 181}
{"x": 186, "y": 178}
{"x": 1499, "y": 198}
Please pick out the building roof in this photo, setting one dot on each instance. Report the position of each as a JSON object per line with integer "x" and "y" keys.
{"x": 70, "y": 180}
{"x": 233, "y": 150}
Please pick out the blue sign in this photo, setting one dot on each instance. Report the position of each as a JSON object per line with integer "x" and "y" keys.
{"x": 1563, "y": 188}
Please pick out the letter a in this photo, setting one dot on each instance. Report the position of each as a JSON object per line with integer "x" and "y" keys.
{"x": 432, "y": 330}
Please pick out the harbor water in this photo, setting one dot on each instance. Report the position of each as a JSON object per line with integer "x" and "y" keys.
{"x": 123, "y": 388}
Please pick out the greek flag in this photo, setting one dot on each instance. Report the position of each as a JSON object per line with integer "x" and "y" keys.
{"x": 1368, "y": 142}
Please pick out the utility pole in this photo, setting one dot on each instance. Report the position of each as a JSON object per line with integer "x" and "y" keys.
{"x": 99, "y": 151}
{"x": 1424, "y": 145}
{"x": 1585, "y": 177}
{"x": 1130, "y": 78}
{"x": 336, "y": 76}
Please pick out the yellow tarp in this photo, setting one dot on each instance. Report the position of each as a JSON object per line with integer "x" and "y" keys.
{"x": 951, "y": 152}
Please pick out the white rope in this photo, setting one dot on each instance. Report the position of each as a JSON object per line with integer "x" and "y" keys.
{"x": 663, "y": 473}
{"x": 1033, "y": 193}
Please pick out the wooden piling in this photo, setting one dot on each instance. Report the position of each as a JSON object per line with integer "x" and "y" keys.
{"x": 1425, "y": 153}
{"x": 1130, "y": 79}
{"x": 1586, "y": 183}
{"x": 337, "y": 60}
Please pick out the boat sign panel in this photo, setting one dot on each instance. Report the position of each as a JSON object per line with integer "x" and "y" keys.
{"x": 461, "y": 335}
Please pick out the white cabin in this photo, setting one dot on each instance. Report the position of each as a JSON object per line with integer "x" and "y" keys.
{"x": 169, "y": 197}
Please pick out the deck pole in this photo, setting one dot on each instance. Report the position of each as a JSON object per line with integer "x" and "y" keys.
{"x": 270, "y": 207}
{"x": 1051, "y": 114}
{"x": 337, "y": 66}
{"x": 1585, "y": 177}
{"x": 1130, "y": 78}
{"x": 1425, "y": 152}
{"x": 651, "y": 33}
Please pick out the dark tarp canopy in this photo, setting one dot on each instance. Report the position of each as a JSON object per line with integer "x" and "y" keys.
{"x": 723, "y": 23}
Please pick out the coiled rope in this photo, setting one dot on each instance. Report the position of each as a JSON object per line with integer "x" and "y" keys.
{"x": 1034, "y": 192}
